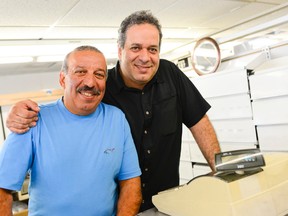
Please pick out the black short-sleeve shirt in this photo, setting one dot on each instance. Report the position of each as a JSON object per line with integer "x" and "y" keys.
{"x": 155, "y": 115}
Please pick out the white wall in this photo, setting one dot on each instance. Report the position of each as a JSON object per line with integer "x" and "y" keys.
{"x": 19, "y": 83}
{"x": 248, "y": 110}
{"x": 28, "y": 82}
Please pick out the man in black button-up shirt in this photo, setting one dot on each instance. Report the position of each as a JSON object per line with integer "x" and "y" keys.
{"x": 156, "y": 98}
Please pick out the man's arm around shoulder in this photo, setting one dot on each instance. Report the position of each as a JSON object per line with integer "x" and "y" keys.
{"x": 22, "y": 116}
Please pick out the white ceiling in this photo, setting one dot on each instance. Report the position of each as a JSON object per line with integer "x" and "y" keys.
{"x": 45, "y": 23}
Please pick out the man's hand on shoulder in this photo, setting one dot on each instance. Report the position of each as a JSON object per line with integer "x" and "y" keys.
{"x": 22, "y": 116}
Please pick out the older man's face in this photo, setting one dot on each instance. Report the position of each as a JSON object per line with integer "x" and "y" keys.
{"x": 85, "y": 82}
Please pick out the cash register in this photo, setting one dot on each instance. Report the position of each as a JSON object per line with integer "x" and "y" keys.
{"x": 247, "y": 182}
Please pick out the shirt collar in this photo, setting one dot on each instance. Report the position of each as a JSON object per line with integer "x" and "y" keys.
{"x": 119, "y": 80}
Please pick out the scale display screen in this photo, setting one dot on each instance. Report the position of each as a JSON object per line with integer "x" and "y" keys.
{"x": 243, "y": 158}
{"x": 239, "y": 160}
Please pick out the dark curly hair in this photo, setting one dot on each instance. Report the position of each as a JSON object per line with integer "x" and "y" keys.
{"x": 137, "y": 18}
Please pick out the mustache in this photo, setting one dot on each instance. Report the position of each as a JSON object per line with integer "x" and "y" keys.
{"x": 90, "y": 89}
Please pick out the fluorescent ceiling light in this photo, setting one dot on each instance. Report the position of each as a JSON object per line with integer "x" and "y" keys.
{"x": 39, "y": 51}
{"x": 57, "y": 52}
{"x": 55, "y": 58}
{"x": 35, "y": 50}
{"x": 261, "y": 42}
{"x": 10, "y": 60}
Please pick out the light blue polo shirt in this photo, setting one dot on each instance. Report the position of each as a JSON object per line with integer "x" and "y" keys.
{"x": 75, "y": 161}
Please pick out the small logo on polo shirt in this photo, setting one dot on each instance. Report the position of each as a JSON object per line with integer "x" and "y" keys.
{"x": 109, "y": 150}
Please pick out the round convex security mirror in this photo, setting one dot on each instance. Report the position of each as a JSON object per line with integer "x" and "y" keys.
{"x": 206, "y": 56}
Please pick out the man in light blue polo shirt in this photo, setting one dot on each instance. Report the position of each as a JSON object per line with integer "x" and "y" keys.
{"x": 80, "y": 156}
